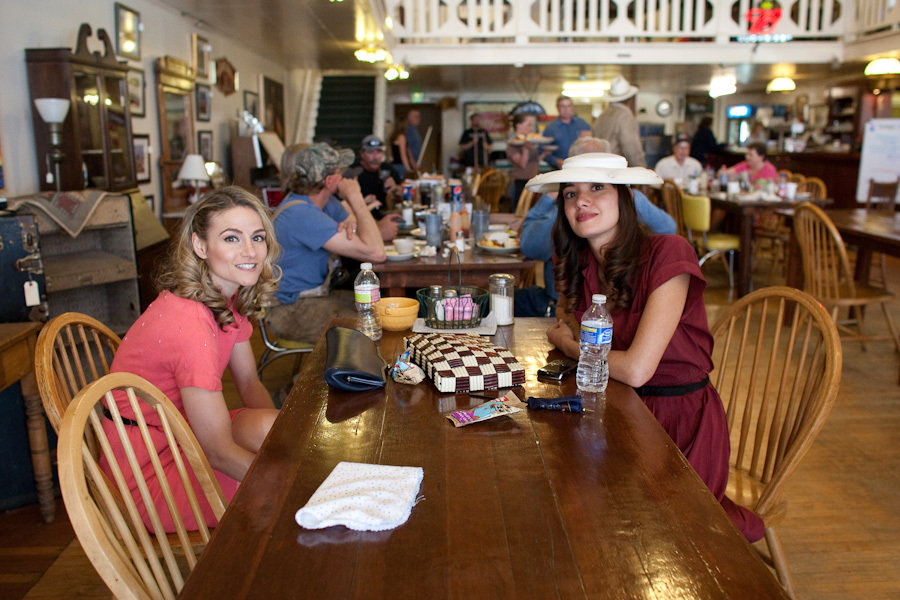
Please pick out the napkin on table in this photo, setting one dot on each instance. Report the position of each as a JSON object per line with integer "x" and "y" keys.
{"x": 363, "y": 497}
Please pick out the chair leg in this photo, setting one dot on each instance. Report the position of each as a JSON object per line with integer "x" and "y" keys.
{"x": 781, "y": 568}
{"x": 890, "y": 323}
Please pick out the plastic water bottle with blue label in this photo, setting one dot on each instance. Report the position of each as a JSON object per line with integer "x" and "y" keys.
{"x": 596, "y": 339}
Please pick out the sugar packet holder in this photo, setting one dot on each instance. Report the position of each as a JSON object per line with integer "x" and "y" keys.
{"x": 502, "y": 406}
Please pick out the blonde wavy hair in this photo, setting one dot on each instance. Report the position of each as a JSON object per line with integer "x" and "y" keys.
{"x": 187, "y": 275}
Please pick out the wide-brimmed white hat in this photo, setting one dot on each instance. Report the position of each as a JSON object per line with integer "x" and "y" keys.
{"x": 594, "y": 167}
{"x": 619, "y": 89}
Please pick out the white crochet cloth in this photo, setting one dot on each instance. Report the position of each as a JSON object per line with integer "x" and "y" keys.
{"x": 363, "y": 497}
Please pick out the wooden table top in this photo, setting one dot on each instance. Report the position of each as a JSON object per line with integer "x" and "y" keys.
{"x": 536, "y": 504}
{"x": 472, "y": 259}
{"x": 873, "y": 227}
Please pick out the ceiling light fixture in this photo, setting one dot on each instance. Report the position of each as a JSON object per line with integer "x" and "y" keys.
{"x": 722, "y": 85}
{"x": 396, "y": 72}
{"x": 883, "y": 66}
{"x": 585, "y": 89}
{"x": 371, "y": 54}
{"x": 781, "y": 84}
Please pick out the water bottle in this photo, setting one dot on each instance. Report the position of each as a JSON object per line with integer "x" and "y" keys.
{"x": 596, "y": 338}
{"x": 366, "y": 292}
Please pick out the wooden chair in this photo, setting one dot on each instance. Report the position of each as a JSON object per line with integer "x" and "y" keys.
{"x": 132, "y": 562}
{"x": 72, "y": 350}
{"x": 813, "y": 186}
{"x": 278, "y": 347}
{"x": 881, "y": 197}
{"x": 828, "y": 277}
{"x": 696, "y": 211}
{"x": 797, "y": 178}
{"x": 777, "y": 366}
{"x": 671, "y": 199}
{"x": 492, "y": 187}
{"x": 786, "y": 172}
{"x": 526, "y": 200}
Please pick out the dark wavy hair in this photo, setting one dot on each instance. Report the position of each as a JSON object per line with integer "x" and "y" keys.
{"x": 187, "y": 275}
{"x": 618, "y": 265}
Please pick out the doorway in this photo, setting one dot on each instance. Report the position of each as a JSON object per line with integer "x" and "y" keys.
{"x": 431, "y": 117}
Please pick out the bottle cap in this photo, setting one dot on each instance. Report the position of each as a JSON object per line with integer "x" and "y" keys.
{"x": 598, "y": 298}
{"x": 366, "y": 266}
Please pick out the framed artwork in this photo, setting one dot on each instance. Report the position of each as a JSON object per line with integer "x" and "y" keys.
{"x": 494, "y": 116}
{"x": 272, "y": 103}
{"x": 251, "y": 103}
{"x": 142, "y": 157}
{"x": 137, "y": 95}
{"x": 128, "y": 32}
{"x": 205, "y": 145}
{"x": 151, "y": 202}
{"x": 201, "y": 51}
{"x": 204, "y": 102}
{"x": 226, "y": 76}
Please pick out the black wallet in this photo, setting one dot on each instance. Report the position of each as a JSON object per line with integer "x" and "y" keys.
{"x": 352, "y": 363}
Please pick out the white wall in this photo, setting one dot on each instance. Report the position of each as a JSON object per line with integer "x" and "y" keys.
{"x": 54, "y": 23}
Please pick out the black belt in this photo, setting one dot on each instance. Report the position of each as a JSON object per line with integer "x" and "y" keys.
{"x": 125, "y": 420}
{"x": 671, "y": 390}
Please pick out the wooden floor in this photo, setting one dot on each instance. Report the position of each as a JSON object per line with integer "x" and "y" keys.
{"x": 841, "y": 536}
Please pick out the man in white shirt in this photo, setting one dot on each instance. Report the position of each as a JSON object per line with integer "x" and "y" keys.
{"x": 680, "y": 166}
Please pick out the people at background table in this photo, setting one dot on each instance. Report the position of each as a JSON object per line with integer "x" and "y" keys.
{"x": 536, "y": 237}
{"x": 400, "y": 150}
{"x": 524, "y": 155}
{"x": 377, "y": 180}
{"x": 475, "y": 143}
{"x": 313, "y": 232}
{"x": 618, "y": 125}
{"x": 704, "y": 142}
{"x": 679, "y": 165}
{"x": 661, "y": 343}
{"x": 756, "y": 165}
{"x": 413, "y": 138}
{"x": 564, "y": 129}
{"x": 758, "y": 134}
{"x": 219, "y": 273}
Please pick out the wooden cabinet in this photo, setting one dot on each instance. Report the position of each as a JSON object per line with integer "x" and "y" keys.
{"x": 97, "y": 141}
{"x": 843, "y": 114}
{"x": 94, "y": 272}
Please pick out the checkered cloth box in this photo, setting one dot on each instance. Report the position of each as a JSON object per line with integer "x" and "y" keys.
{"x": 464, "y": 362}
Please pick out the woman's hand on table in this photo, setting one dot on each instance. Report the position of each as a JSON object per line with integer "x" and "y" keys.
{"x": 562, "y": 337}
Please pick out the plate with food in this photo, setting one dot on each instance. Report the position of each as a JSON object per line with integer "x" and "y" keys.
{"x": 418, "y": 232}
{"x": 531, "y": 138}
{"x": 491, "y": 248}
{"x": 394, "y": 255}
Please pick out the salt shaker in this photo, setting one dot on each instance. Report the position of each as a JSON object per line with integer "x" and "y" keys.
{"x": 502, "y": 287}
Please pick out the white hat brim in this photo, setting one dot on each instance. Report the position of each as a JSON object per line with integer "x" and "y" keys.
{"x": 549, "y": 182}
{"x": 632, "y": 90}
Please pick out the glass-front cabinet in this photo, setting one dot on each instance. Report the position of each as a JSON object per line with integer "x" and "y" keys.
{"x": 96, "y": 145}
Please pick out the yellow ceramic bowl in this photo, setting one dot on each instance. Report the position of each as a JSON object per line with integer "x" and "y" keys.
{"x": 397, "y": 314}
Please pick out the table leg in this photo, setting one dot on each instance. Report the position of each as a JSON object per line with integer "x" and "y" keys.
{"x": 863, "y": 263}
{"x": 40, "y": 448}
{"x": 745, "y": 262}
{"x": 794, "y": 275}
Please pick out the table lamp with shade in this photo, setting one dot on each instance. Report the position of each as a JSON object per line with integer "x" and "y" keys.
{"x": 53, "y": 111}
{"x": 193, "y": 172}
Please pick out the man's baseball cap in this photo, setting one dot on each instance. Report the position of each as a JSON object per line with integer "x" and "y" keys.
{"x": 681, "y": 137}
{"x": 372, "y": 142}
{"x": 318, "y": 161}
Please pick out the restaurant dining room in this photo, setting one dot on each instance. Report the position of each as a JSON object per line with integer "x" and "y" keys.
{"x": 450, "y": 298}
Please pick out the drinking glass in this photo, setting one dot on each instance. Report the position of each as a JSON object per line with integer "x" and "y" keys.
{"x": 480, "y": 220}
{"x": 433, "y": 226}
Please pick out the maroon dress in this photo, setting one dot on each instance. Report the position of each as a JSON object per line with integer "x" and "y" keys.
{"x": 695, "y": 421}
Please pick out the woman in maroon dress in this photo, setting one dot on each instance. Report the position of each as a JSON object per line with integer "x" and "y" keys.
{"x": 661, "y": 342}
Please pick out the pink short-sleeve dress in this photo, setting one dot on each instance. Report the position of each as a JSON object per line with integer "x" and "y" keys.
{"x": 175, "y": 343}
{"x": 696, "y": 420}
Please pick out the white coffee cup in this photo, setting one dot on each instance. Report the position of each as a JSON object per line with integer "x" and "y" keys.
{"x": 790, "y": 190}
{"x": 404, "y": 245}
{"x": 734, "y": 188}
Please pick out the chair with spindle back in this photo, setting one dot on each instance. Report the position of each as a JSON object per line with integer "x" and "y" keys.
{"x": 882, "y": 196}
{"x": 492, "y": 187}
{"x": 133, "y": 562}
{"x": 796, "y": 178}
{"x": 814, "y": 188}
{"x": 777, "y": 366}
{"x": 671, "y": 200}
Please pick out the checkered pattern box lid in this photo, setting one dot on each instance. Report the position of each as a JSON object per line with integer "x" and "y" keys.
{"x": 464, "y": 362}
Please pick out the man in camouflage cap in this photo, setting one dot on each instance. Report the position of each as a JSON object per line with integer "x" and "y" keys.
{"x": 313, "y": 229}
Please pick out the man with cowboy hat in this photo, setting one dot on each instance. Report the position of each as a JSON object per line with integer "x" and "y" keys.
{"x": 618, "y": 125}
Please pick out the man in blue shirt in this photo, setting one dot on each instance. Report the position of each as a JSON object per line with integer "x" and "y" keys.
{"x": 564, "y": 130}
{"x": 536, "y": 238}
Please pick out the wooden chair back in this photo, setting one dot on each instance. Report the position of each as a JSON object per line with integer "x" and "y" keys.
{"x": 526, "y": 201}
{"x": 777, "y": 366}
{"x": 786, "y": 172}
{"x": 882, "y": 195}
{"x": 796, "y": 178}
{"x": 813, "y": 186}
{"x": 492, "y": 187}
{"x": 132, "y": 562}
{"x": 72, "y": 350}
{"x": 826, "y": 267}
{"x": 671, "y": 199}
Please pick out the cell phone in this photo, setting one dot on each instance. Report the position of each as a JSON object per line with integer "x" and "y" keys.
{"x": 555, "y": 370}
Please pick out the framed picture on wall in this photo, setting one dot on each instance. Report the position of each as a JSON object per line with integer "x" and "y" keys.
{"x": 137, "y": 96}
{"x": 142, "y": 157}
{"x": 272, "y": 104}
{"x": 128, "y": 32}
{"x": 251, "y": 103}
{"x": 494, "y": 117}
{"x": 205, "y": 145}
{"x": 204, "y": 102}
{"x": 201, "y": 50}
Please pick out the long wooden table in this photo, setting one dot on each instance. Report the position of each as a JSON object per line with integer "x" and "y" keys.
{"x": 532, "y": 505}
{"x": 475, "y": 267}
{"x": 869, "y": 231}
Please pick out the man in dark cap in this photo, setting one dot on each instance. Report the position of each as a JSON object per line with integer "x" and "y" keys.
{"x": 312, "y": 229}
{"x": 680, "y": 166}
{"x": 378, "y": 180}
